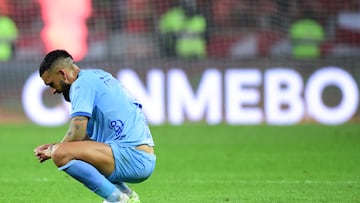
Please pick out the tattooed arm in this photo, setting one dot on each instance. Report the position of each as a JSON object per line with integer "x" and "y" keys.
{"x": 77, "y": 129}
{"x": 76, "y": 132}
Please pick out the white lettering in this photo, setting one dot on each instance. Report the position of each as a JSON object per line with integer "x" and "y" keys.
{"x": 173, "y": 98}
{"x": 241, "y": 96}
{"x": 283, "y": 103}
{"x": 313, "y": 96}
{"x": 34, "y": 107}
{"x": 182, "y": 100}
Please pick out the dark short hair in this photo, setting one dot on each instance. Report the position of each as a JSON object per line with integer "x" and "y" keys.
{"x": 50, "y": 58}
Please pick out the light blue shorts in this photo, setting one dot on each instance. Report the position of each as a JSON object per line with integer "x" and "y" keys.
{"x": 131, "y": 165}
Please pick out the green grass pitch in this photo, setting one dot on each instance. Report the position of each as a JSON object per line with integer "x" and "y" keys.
{"x": 200, "y": 163}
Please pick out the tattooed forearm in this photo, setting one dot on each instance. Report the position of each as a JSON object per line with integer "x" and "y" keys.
{"x": 77, "y": 129}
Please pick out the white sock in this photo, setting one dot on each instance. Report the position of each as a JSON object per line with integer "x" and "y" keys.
{"x": 115, "y": 196}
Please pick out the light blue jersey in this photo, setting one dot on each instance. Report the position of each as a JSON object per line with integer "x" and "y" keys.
{"x": 114, "y": 115}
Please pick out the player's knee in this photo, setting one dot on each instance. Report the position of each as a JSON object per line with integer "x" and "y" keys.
{"x": 60, "y": 156}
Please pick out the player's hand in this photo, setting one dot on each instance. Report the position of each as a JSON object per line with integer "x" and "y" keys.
{"x": 43, "y": 152}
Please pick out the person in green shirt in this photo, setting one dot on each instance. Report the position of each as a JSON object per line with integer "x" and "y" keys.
{"x": 8, "y": 36}
{"x": 306, "y": 36}
{"x": 183, "y": 30}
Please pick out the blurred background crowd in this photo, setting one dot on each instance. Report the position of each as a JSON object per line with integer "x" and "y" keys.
{"x": 188, "y": 29}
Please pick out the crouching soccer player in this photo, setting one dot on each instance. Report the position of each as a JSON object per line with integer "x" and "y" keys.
{"x": 108, "y": 143}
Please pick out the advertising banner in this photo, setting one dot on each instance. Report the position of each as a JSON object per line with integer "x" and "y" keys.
{"x": 212, "y": 92}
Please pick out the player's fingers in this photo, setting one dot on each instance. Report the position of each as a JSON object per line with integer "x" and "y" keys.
{"x": 42, "y": 147}
{"x": 42, "y": 159}
{"x": 38, "y": 152}
{"x": 39, "y": 148}
{"x": 38, "y": 155}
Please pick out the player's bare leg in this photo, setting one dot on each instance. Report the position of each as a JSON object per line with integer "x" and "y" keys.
{"x": 97, "y": 154}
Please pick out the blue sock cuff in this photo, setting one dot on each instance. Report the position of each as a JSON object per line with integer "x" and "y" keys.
{"x": 67, "y": 165}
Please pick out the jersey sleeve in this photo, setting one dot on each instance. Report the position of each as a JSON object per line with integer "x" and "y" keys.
{"x": 82, "y": 97}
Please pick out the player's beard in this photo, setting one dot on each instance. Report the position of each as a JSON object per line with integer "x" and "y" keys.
{"x": 65, "y": 90}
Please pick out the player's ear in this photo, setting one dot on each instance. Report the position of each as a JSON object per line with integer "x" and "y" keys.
{"x": 63, "y": 74}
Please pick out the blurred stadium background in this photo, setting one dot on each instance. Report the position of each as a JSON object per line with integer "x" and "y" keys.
{"x": 279, "y": 72}
{"x": 258, "y": 58}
